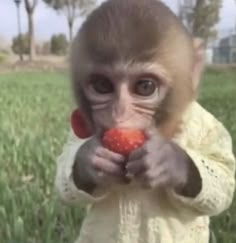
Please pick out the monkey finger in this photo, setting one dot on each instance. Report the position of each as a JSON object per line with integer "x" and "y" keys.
{"x": 152, "y": 178}
{"x": 160, "y": 157}
{"x": 104, "y": 165}
{"x": 135, "y": 167}
{"x": 109, "y": 155}
{"x": 162, "y": 181}
{"x": 137, "y": 153}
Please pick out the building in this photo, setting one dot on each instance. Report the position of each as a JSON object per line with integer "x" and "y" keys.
{"x": 209, "y": 55}
{"x": 225, "y": 51}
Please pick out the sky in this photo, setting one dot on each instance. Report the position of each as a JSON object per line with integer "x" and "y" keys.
{"x": 48, "y": 22}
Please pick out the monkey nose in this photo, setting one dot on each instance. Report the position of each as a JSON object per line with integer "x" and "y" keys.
{"x": 120, "y": 118}
{"x": 120, "y": 111}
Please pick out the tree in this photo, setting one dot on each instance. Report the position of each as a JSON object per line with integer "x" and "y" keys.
{"x": 20, "y": 43}
{"x": 205, "y": 17}
{"x": 46, "y": 48}
{"x": 30, "y": 6}
{"x": 72, "y": 10}
{"x": 201, "y": 17}
{"x": 186, "y": 12}
{"x": 59, "y": 44}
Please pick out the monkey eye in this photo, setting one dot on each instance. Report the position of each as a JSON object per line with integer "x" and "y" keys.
{"x": 102, "y": 85}
{"x": 145, "y": 87}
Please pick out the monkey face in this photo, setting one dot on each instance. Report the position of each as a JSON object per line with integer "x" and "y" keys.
{"x": 125, "y": 95}
{"x": 134, "y": 64}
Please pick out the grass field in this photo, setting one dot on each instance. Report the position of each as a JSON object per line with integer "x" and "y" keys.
{"x": 34, "y": 109}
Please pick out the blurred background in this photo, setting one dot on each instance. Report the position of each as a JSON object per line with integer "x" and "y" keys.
{"x": 35, "y": 107}
{"x": 44, "y": 28}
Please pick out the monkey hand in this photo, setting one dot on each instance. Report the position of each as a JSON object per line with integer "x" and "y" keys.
{"x": 162, "y": 163}
{"x": 96, "y": 165}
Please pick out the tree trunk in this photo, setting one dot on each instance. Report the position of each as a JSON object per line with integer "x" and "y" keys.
{"x": 31, "y": 37}
{"x": 20, "y": 34}
{"x": 70, "y": 24}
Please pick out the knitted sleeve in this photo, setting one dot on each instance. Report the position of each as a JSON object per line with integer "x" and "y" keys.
{"x": 64, "y": 184}
{"x": 210, "y": 147}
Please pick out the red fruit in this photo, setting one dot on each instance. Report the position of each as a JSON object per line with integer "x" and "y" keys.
{"x": 123, "y": 141}
{"x": 79, "y": 125}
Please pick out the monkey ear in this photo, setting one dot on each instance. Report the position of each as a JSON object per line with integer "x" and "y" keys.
{"x": 199, "y": 61}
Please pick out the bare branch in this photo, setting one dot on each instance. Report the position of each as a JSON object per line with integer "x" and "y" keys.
{"x": 30, "y": 5}
{"x": 72, "y": 9}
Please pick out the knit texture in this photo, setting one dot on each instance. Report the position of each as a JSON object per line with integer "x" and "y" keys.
{"x": 130, "y": 214}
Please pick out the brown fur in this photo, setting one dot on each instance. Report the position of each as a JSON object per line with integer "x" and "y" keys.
{"x": 137, "y": 31}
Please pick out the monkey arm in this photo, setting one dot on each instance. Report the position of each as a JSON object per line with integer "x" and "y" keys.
{"x": 209, "y": 145}
{"x": 66, "y": 189}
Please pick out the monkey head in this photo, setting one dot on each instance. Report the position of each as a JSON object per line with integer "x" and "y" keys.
{"x": 134, "y": 64}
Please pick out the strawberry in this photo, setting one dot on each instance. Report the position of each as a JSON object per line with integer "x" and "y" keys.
{"x": 79, "y": 125}
{"x": 123, "y": 141}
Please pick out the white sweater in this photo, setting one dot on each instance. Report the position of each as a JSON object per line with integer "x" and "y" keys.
{"x": 129, "y": 214}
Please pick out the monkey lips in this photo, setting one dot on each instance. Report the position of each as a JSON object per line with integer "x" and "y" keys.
{"x": 123, "y": 141}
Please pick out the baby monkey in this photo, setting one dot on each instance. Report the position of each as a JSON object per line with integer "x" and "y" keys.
{"x": 134, "y": 65}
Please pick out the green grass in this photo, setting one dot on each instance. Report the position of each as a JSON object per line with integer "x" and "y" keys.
{"x": 3, "y": 57}
{"x": 34, "y": 111}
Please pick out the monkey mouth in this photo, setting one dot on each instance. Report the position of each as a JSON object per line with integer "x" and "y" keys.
{"x": 127, "y": 124}
{"x": 124, "y": 124}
